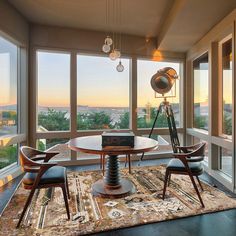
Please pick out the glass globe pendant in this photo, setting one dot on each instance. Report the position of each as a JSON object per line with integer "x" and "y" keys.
{"x": 120, "y": 67}
{"x": 106, "y": 48}
{"x": 117, "y": 52}
{"x": 108, "y": 40}
{"x": 113, "y": 55}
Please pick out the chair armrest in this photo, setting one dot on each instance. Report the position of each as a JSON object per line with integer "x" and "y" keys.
{"x": 185, "y": 149}
{"x": 195, "y": 159}
{"x": 50, "y": 155}
{"x": 181, "y": 156}
{"x": 45, "y": 156}
{"x": 39, "y": 157}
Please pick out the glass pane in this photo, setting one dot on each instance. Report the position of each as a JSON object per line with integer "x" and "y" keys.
{"x": 44, "y": 144}
{"x": 8, "y": 88}
{"x": 201, "y": 80}
{"x": 102, "y": 93}
{"x": 8, "y": 155}
{"x": 227, "y": 88}
{"x": 53, "y": 91}
{"x": 147, "y": 103}
{"x": 226, "y": 161}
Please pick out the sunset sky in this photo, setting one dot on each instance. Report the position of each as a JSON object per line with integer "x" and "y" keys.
{"x": 98, "y": 82}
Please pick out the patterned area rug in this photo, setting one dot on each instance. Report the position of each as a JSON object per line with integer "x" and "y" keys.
{"x": 47, "y": 214}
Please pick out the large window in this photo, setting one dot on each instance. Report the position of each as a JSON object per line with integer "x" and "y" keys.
{"x": 102, "y": 93}
{"x": 227, "y": 89}
{"x": 147, "y": 103}
{"x": 201, "y": 80}
{"x": 53, "y": 76}
{"x": 8, "y": 100}
{"x": 8, "y": 88}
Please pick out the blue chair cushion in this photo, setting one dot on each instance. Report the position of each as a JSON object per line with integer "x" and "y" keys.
{"x": 177, "y": 165}
{"x": 54, "y": 175}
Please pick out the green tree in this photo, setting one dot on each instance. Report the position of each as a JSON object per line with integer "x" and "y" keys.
{"x": 94, "y": 120}
{"x": 53, "y": 120}
{"x": 200, "y": 122}
{"x": 161, "y": 122}
{"x": 227, "y": 124}
{"x": 8, "y": 155}
{"x": 123, "y": 123}
{"x": 100, "y": 120}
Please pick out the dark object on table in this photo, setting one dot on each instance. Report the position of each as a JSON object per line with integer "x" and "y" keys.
{"x": 41, "y": 173}
{"x": 117, "y": 139}
{"x": 187, "y": 163}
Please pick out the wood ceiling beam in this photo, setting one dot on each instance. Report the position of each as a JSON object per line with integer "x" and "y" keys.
{"x": 169, "y": 19}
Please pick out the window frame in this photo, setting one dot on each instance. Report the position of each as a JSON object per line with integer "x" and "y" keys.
{"x": 22, "y": 110}
{"x": 196, "y": 58}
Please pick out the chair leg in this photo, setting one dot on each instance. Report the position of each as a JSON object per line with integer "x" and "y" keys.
{"x": 129, "y": 163}
{"x": 66, "y": 201}
{"x": 165, "y": 184}
{"x": 169, "y": 179}
{"x": 199, "y": 183}
{"x": 67, "y": 188}
{"x": 195, "y": 187}
{"x": 26, "y": 206}
{"x": 103, "y": 164}
{"x": 126, "y": 156}
{"x": 101, "y": 159}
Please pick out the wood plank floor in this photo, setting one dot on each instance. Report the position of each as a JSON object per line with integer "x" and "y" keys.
{"x": 213, "y": 224}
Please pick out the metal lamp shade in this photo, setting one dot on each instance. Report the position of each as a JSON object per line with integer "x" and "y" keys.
{"x": 163, "y": 80}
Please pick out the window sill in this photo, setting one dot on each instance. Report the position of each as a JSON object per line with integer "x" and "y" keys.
{"x": 9, "y": 173}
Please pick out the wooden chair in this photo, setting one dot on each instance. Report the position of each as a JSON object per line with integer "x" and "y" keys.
{"x": 189, "y": 162}
{"x": 40, "y": 173}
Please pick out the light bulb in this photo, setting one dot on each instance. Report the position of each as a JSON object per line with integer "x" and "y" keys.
{"x": 113, "y": 55}
{"x": 117, "y": 52}
{"x": 108, "y": 40}
{"x": 106, "y": 48}
{"x": 120, "y": 67}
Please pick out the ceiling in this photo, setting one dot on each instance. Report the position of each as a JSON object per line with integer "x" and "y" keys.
{"x": 177, "y": 24}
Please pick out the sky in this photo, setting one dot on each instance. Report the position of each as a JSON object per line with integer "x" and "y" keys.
{"x": 98, "y": 82}
{"x": 8, "y": 73}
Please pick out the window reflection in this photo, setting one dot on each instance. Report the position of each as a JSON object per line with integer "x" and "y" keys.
{"x": 8, "y": 87}
{"x": 201, "y": 80}
{"x": 227, "y": 88}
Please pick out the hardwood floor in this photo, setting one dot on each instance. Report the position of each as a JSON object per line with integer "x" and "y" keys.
{"x": 213, "y": 224}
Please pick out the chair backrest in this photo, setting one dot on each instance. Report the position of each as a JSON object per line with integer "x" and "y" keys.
{"x": 26, "y": 162}
{"x": 199, "y": 150}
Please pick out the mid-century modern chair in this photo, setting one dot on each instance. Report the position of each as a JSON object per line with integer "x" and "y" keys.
{"x": 40, "y": 173}
{"x": 187, "y": 162}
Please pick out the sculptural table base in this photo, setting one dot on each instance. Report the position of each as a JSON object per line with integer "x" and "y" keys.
{"x": 112, "y": 185}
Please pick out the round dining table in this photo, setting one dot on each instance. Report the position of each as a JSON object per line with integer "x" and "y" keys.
{"x": 112, "y": 184}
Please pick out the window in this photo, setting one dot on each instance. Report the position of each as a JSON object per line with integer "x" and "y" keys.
{"x": 102, "y": 93}
{"x": 8, "y": 88}
{"x": 8, "y": 100}
{"x": 147, "y": 103}
{"x": 53, "y": 74}
{"x": 201, "y": 80}
{"x": 8, "y": 155}
{"x": 226, "y": 119}
{"x": 226, "y": 161}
